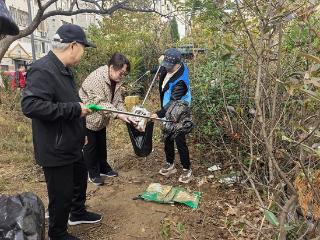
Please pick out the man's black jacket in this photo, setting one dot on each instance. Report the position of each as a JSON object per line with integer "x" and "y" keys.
{"x": 51, "y": 100}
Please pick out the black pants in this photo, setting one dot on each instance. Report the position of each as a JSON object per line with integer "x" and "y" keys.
{"x": 67, "y": 186}
{"x": 182, "y": 149}
{"x": 95, "y": 153}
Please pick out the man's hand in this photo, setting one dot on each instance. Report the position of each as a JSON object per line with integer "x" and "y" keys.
{"x": 154, "y": 115}
{"x": 84, "y": 111}
{"x": 133, "y": 121}
{"x": 124, "y": 117}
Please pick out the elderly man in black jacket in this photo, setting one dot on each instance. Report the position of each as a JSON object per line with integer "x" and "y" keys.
{"x": 51, "y": 100}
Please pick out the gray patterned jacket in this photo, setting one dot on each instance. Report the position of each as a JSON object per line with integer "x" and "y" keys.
{"x": 96, "y": 89}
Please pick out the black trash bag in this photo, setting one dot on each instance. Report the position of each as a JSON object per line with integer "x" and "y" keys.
{"x": 22, "y": 217}
{"x": 141, "y": 141}
{"x": 180, "y": 119}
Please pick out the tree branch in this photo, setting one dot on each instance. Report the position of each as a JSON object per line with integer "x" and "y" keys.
{"x": 39, "y": 4}
{"x": 282, "y": 219}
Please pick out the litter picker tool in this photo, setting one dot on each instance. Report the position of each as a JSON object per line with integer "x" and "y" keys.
{"x": 151, "y": 85}
{"x": 97, "y": 108}
{"x": 134, "y": 82}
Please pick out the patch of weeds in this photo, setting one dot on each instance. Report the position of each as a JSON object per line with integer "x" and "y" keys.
{"x": 171, "y": 229}
{"x": 165, "y": 230}
{"x": 180, "y": 228}
{"x": 228, "y": 222}
{"x": 3, "y": 184}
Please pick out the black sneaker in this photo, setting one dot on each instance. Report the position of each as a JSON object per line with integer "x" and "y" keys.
{"x": 98, "y": 181}
{"x": 88, "y": 217}
{"x": 109, "y": 174}
{"x": 68, "y": 237}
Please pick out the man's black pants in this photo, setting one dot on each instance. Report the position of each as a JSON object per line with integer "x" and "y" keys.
{"x": 95, "y": 153}
{"x": 182, "y": 149}
{"x": 67, "y": 186}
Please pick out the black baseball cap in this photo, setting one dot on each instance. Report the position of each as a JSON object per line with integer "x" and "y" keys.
{"x": 171, "y": 57}
{"x": 68, "y": 33}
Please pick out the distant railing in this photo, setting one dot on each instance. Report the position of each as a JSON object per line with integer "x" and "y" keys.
{"x": 188, "y": 50}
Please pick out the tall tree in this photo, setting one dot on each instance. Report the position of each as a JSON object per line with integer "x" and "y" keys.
{"x": 174, "y": 30}
{"x": 45, "y": 10}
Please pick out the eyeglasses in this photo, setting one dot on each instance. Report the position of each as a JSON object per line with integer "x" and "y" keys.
{"x": 122, "y": 73}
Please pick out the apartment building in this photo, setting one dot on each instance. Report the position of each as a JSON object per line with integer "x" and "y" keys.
{"x": 20, "y": 51}
{"x": 166, "y": 7}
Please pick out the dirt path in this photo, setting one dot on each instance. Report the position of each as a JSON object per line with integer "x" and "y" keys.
{"x": 223, "y": 212}
{"x": 125, "y": 218}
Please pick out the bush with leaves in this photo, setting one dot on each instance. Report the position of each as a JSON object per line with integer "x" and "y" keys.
{"x": 124, "y": 32}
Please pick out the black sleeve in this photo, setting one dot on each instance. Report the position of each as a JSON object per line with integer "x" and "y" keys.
{"x": 38, "y": 99}
{"x": 178, "y": 91}
{"x": 154, "y": 70}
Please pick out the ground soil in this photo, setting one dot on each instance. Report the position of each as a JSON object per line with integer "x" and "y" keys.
{"x": 225, "y": 212}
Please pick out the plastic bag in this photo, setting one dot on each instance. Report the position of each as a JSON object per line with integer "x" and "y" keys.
{"x": 181, "y": 121}
{"x": 22, "y": 217}
{"x": 169, "y": 194}
{"x": 141, "y": 141}
{"x": 141, "y": 122}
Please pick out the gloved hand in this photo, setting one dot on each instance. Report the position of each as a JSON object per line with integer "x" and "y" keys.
{"x": 160, "y": 59}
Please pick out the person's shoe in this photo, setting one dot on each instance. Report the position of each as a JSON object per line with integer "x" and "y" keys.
{"x": 168, "y": 169}
{"x": 68, "y": 237}
{"x": 109, "y": 174}
{"x": 71, "y": 237}
{"x": 98, "y": 181}
{"x": 186, "y": 176}
{"x": 88, "y": 217}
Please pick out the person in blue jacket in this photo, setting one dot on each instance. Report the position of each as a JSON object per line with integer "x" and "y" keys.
{"x": 174, "y": 84}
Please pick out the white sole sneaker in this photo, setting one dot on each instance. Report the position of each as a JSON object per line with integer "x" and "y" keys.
{"x": 97, "y": 184}
{"x": 186, "y": 181}
{"x": 188, "y": 177}
{"x": 82, "y": 222}
{"x": 172, "y": 171}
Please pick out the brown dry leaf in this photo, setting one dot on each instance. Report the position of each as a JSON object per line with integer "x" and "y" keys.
{"x": 306, "y": 198}
{"x": 202, "y": 181}
{"x": 232, "y": 211}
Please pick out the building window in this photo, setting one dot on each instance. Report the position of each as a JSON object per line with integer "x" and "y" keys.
{"x": 37, "y": 47}
{"x": 19, "y": 16}
{"x": 42, "y": 27}
{"x": 43, "y": 45}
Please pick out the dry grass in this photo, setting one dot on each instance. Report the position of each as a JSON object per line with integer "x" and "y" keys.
{"x": 306, "y": 197}
{"x": 16, "y": 137}
{"x": 16, "y": 149}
